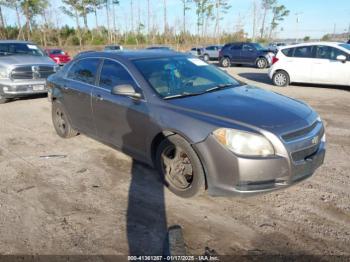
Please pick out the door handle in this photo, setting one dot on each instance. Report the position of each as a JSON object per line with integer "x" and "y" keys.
{"x": 99, "y": 97}
{"x": 65, "y": 87}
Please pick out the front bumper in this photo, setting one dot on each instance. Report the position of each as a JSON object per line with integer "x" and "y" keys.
{"x": 229, "y": 174}
{"x": 12, "y": 89}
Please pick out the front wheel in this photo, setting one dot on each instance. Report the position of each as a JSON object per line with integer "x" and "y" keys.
{"x": 3, "y": 99}
{"x": 206, "y": 58}
{"x": 281, "y": 78}
{"x": 225, "y": 62}
{"x": 261, "y": 63}
{"x": 60, "y": 121}
{"x": 180, "y": 167}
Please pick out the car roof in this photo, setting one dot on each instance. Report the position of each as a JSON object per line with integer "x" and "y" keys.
{"x": 132, "y": 54}
{"x": 15, "y": 42}
{"x": 333, "y": 44}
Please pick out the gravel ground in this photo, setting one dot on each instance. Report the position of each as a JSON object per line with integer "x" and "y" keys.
{"x": 97, "y": 200}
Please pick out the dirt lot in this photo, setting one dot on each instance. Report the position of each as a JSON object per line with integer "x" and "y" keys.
{"x": 96, "y": 200}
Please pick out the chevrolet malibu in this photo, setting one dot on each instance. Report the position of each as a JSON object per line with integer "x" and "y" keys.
{"x": 201, "y": 128}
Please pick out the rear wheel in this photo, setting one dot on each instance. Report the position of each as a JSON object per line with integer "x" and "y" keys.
{"x": 180, "y": 167}
{"x": 281, "y": 78}
{"x": 261, "y": 63}
{"x": 206, "y": 57}
{"x": 225, "y": 62}
{"x": 60, "y": 121}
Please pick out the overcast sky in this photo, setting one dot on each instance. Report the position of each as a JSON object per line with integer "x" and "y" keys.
{"x": 316, "y": 17}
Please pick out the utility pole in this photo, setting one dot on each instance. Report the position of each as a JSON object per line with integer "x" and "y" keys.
{"x": 297, "y": 26}
{"x": 334, "y": 29}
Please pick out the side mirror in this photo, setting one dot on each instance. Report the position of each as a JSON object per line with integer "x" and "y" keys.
{"x": 126, "y": 90}
{"x": 341, "y": 58}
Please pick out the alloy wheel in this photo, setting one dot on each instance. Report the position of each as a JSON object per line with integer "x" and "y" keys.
{"x": 177, "y": 167}
{"x": 280, "y": 79}
{"x": 60, "y": 121}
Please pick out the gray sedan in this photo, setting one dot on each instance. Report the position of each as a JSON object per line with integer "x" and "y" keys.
{"x": 201, "y": 128}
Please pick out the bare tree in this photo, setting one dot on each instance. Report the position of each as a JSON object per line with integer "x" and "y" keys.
{"x": 165, "y": 18}
{"x": 73, "y": 11}
{"x": 185, "y": 8}
{"x": 279, "y": 13}
{"x": 266, "y": 6}
{"x": 221, "y": 7}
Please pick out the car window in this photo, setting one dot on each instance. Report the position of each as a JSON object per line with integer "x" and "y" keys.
{"x": 247, "y": 47}
{"x": 288, "y": 52}
{"x": 328, "y": 52}
{"x": 236, "y": 47}
{"x": 210, "y": 48}
{"x": 347, "y": 46}
{"x": 84, "y": 70}
{"x": 303, "y": 52}
{"x": 20, "y": 49}
{"x": 112, "y": 74}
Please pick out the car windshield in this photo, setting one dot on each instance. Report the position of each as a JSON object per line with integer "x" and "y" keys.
{"x": 20, "y": 49}
{"x": 180, "y": 76}
{"x": 347, "y": 46}
{"x": 257, "y": 46}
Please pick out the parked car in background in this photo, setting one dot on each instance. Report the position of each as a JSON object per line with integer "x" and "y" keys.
{"x": 166, "y": 48}
{"x": 200, "y": 127}
{"x": 113, "y": 48}
{"x": 24, "y": 68}
{"x": 245, "y": 54}
{"x": 349, "y": 41}
{"x": 58, "y": 55}
{"x": 274, "y": 47}
{"x": 211, "y": 52}
{"x": 317, "y": 63}
{"x": 197, "y": 51}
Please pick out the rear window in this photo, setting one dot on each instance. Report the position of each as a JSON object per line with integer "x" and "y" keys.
{"x": 288, "y": 52}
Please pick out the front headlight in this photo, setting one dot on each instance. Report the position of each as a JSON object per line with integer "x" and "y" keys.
{"x": 3, "y": 73}
{"x": 244, "y": 143}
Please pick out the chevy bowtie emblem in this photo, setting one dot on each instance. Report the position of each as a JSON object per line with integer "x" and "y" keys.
{"x": 314, "y": 141}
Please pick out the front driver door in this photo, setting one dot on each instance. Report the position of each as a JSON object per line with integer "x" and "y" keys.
{"x": 120, "y": 120}
{"x": 248, "y": 54}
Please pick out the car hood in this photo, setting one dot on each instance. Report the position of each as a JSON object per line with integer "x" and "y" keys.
{"x": 251, "y": 106}
{"x": 25, "y": 60}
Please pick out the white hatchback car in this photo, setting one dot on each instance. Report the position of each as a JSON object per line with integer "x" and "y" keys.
{"x": 316, "y": 63}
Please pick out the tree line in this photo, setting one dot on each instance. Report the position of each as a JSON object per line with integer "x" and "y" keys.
{"x": 38, "y": 21}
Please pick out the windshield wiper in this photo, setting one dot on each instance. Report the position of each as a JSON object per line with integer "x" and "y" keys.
{"x": 218, "y": 87}
{"x": 182, "y": 95}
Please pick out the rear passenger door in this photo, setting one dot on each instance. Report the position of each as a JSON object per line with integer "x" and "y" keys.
{"x": 235, "y": 53}
{"x": 77, "y": 89}
{"x": 299, "y": 66}
{"x": 119, "y": 118}
{"x": 327, "y": 69}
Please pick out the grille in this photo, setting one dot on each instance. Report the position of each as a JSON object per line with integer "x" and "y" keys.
{"x": 32, "y": 72}
{"x": 299, "y": 133}
{"x": 304, "y": 153}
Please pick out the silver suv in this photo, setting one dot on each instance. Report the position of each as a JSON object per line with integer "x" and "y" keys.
{"x": 24, "y": 68}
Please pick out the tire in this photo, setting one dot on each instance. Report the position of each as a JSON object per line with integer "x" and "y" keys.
{"x": 206, "y": 58}
{"x": 61, "y": 122}
{"x": 225, "y": 62}
{"x": 3, "y": 99}
{"x": 174, "y": 153}
{"x": 261, "y": 63}
{"x": 281, "y": 78}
